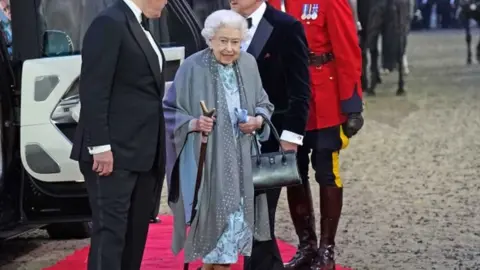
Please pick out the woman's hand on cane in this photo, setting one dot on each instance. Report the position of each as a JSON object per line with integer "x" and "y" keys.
{"x": 204, "y": 124}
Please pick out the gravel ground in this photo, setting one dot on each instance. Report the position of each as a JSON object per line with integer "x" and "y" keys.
{"x": 412, "y": 176}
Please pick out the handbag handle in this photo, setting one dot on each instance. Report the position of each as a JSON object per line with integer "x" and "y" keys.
{"x": 275, "y": 134}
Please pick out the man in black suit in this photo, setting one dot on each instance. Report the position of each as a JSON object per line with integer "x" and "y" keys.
{"x": 426, "y": 7}
{"x": 120, "y": 136}
{"x": 280, "y": 47}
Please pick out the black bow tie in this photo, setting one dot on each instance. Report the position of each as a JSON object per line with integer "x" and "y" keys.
{"x": 249, "y": 22}
{"x": 145, "y": 23}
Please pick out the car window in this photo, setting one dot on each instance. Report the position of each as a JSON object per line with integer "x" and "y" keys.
{"x": 203, "y": 8}
{"x": 73, "y": 18}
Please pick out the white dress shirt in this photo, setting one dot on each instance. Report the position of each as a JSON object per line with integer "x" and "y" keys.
{"x": 257, "y": 16}
{"x": 138, "y": 14}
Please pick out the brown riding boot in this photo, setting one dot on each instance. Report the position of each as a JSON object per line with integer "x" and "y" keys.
{"x": 303, "y": 216}
{"x": 331, "y": 199}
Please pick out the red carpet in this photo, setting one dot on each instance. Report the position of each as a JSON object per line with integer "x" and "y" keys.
{"x": 158, "y": 254}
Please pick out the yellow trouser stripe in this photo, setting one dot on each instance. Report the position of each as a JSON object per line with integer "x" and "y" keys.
{"x": 336, "y": 169}
{"x": 345, "y": 140}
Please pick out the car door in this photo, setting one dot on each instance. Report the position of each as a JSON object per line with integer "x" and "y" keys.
{"x": 51, "y": 68}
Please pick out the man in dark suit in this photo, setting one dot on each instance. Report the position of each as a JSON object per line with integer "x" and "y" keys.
{"x": 120, "y": 136}
{"x": 278, "y": 43}
{"x": 426, "y": 7}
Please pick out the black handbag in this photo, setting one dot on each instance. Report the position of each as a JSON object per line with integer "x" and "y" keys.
{"x": 275, "y": 169}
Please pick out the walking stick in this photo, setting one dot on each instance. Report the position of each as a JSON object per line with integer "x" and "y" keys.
{"x": 201, "y": 161}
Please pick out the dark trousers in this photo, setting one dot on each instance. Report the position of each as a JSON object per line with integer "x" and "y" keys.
{"x": 266, "y": 255}
{"x": 121, "y": 206}
{"x": 446, "y": 13}
{"x": 324, "y": 145}
{"x": 427, "y": 14}
{"x": 389, "y": 58}
{"x": 156, "y": 206}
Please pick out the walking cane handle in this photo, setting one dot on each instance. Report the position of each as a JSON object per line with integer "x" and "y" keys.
{"x": 206, "y": 112}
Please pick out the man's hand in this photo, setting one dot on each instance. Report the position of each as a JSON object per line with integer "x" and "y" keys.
{"x": 251, "y": 125}
{"x": 288, "y": 146}
{"x": 103, "y": 163}
{"x": 353, "y": 124}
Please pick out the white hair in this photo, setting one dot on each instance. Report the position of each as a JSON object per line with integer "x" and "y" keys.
{"x": 224, "y": 18}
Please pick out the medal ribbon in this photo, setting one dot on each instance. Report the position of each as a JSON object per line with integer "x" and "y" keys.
{"x": 305, "y": 10}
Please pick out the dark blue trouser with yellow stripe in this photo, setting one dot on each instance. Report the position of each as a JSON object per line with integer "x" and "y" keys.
{"x": 321, "y": 149}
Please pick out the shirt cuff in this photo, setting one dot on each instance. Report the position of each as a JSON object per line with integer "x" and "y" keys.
{"x": 291, "y": 137}
{"x": 99, "y": 149}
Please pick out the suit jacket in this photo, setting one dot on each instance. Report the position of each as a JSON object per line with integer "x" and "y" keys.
{"x": 280, "y": 47}
{"x": 121, "y": 91}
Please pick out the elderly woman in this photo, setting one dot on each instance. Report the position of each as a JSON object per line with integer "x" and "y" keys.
{"x": 228, "y": 79}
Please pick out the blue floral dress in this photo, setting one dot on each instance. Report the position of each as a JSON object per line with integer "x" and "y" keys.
{"x": 237, "y": 237}
{"x": 5, "y": 24}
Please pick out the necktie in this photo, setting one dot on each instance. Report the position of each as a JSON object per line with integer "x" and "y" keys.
{"x": 249, "y": 22}
{"x": 145, "y": 23}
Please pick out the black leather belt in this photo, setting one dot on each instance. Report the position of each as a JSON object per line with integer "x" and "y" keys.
{"x": 319, "y": 59}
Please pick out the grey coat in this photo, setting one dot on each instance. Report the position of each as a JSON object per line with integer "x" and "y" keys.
{"x": 227, "y": 174}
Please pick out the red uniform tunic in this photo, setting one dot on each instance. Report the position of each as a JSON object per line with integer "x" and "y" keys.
{"x": 336, "y": 88}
